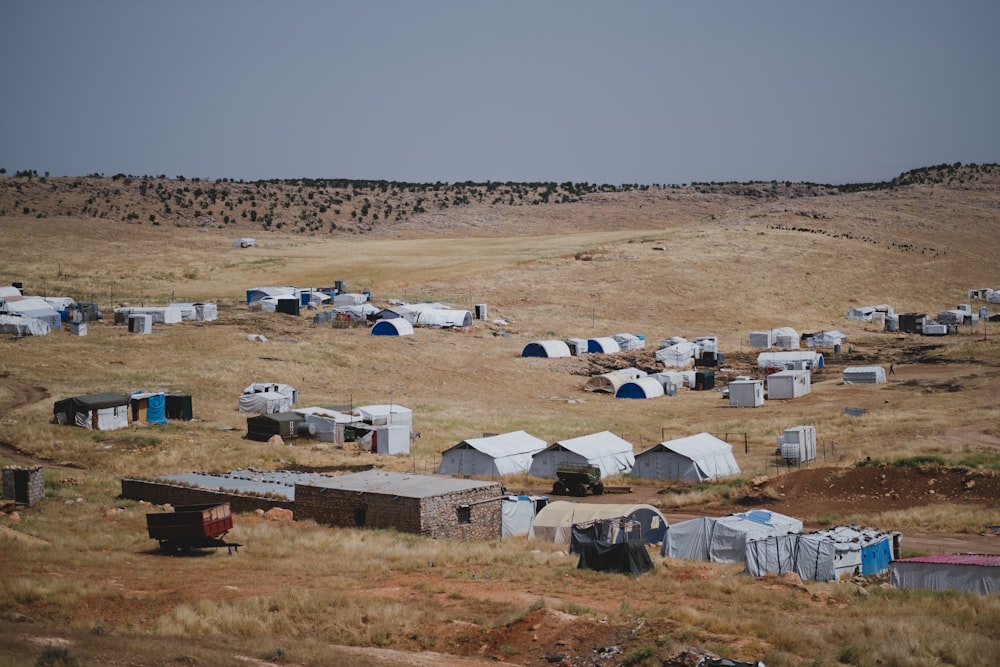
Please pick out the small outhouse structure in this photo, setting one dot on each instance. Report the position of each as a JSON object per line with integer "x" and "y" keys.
{"x": 788, "y": 384}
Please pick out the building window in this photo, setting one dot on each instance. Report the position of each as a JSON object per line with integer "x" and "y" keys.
{"x": 464, "y": 514}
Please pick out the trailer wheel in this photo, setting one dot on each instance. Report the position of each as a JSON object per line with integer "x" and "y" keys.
{"x": 580, "y": 490}
{"x": 597, "y": 488}
{"x": 559, "y": 488}
{"x": 168, "y": 547}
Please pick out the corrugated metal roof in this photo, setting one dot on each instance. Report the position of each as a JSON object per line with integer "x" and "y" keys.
{"x": 280, "y": 483}
{"x": 400, "y": 484}
{"x": 989, "y": 560}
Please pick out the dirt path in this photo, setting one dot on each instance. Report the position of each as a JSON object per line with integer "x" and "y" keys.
{"x": 15, "y": 394}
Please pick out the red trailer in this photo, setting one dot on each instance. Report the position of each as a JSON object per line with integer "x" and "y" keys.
{"x": 192, "y": 527}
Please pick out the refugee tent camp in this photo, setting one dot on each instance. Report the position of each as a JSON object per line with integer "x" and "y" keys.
{"x": 788, "y": 384}
{"x": 969, "y": 573}
{"x": 695, "y": 458}
{"x": 267, "y": 398}
{"x": 603, "y": 345}
{"x": 546, "y": 348}
{"x": 824, "y": 555}
{"x": 493, "y": 455}
{"x": 864, "y": 375}
{"x": 396, "y": 326}
{"x": 610, "y": 382}
{"x": 724, "y": 539}
{"x": 644, "y": 387}
{"x": 32, "y": 306}
{"x": 101, "y": 412}
{"x": 613, "y": 455}
{"x": 615, "y": 522}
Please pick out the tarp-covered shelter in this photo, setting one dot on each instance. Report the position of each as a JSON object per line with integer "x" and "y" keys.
{"x": 824, "y": 555}
{"x": 831, "y": 338}
{"x": 644, "y": 387}
{"x": 149, "y": 407}
{"x": 603, "y": 345}
{"x": 382, "y": 414}
{"x": 610, "y": 382}
{"x": 619, "y": 522}
{"x": 613, "y": 455}
{"x": 494, "y": 455}
{"x": 724, "y": 539}
{"x": 790, "y": 360}
{"x": 695, "y": 458}
{"x": 546, "y": 348}
{"x": 268, "y": 398}
{"x": 788, "y": 384}
{"x": 864, "y": 375}
{"x": 33, "y": 306}
{"x": 393, "y": 327}
{"x": 102, "y": 412}
{"x": 629, "y": 341}
{"x": 350, "y": 299}
{"x": 23, "y": 326}
{"x": 330, "y": 424}
{"x": 678, "y": 355}
{"x": 286, "y": 424}
{"x": 443, "y": 317}
{"x": 969, "y": 573}
{"x": 518, "y": 513}
{"x": 624, "y": 558}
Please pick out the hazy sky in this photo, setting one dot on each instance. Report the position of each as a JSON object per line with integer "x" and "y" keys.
{"x": 605, "y": 92}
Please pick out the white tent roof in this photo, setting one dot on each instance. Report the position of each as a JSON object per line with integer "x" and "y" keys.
{"x": 552, "y": 348}
{"x": 610, "y": 381}
{"x": 677, "y": 355}
{"x": 789, "y": 357}
{"x": 603, "y": 344}
{"x": 724, "y": 540}
{"x": 503, "y": 454}
{"x": 607, "y": 451}
{"x": 395, "y": 414}
{"x": 710, "y": 458}
{"x": 395, "y": 326}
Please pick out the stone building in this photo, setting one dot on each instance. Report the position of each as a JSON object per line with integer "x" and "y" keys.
{"x": 25, "y": 486}
{"x": 431, "y": 505}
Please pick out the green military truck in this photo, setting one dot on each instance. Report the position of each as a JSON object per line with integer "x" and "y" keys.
{"x": 577, "y": 479}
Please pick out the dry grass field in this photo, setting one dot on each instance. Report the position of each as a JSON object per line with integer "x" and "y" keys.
{"x": 82, "y": 581}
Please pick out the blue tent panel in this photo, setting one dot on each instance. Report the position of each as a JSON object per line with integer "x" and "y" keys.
{"x": 156, "y": 409}
{"x": 875, "y": 558}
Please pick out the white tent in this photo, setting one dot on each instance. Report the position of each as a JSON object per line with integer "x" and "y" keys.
{"x": 554, "y": 522}
{"x": 610, "y": 381}
{"x": 33, "y": 306}
{"x": 825, "y": 555}
{"x": 517, "y": 513}
{"x": 761, "y": 339}
{"x": 788, "y": 384}
{"x": 349, "y": 299}
{"x": 443, "y": 317}
{"x": 495, "y": 455}
{"x": 244, "y": 242}
{"x": 613, "y": 455}
{"x": 603, "y": 345}
{"x": 678, "y": 355}
{"x": 785, "y": 337}
{"x": 259, "y": 293}
{"x": 644, "y": 387}
{"x": 197, "y": 311}
{"x": 627, "y": 341}
{"x": 695, "y": 458}
{"x": 23, "y": 326}
{"x": 724, "y": 540}
{"x": 268, "y": 398}
{"x": 790, "y": 360}
{"x": 546, "y": 348}
{"x": 8, "y": 290}
{"x": 396, "y": 326}
{"x": 830, "y": 338}
{"x": 864, "y": 375}
{"x": 386, "y": 414}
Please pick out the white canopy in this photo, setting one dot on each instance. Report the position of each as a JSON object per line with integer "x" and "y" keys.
{"x": 695, "y": 458}
{"x": 546, "y": 348}
{"x": 503, "y": 454}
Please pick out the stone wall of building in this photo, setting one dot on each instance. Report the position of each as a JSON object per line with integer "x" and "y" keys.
{"x": 23, "y": 485}
{"x": 160, "y": 493}
{"x": 435, "y": 516}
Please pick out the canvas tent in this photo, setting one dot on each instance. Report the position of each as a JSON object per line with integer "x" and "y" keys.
{"x": 695, "y": 458}
{"x": 517, "y": 513}
{"x": 788, "y": 384}
{"x": 101, "y": 412}
{"x": 610, "y": 382}
{"x": 23, "y": 326}
{"x": 443, "y": 317}
{"x": 864, "y": 375}
{"x": 824, "y": 555}
{"x": 628, "y": 341}
{"x": 724, "y": 539}
{"x": 36, "y": 307}
{"x": 267, "y": 398}
{"x": 496, "y": 455}
{"x": 160, "y": 314}
{"x": 969, "y": 573}
{"x": 620, "y": 522}
{"x": 392, "y": 327}
{"x": 546, "y": 348}
{"x": 603, "y": 345}
{"x": 790, "y": 360}
{"x": 613, "y": 455}
{"x": 644, "y": 387}
{"x": 761, "y": 339}
{"x": 678, "y": 355}
{"x": 831, "y": 338}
